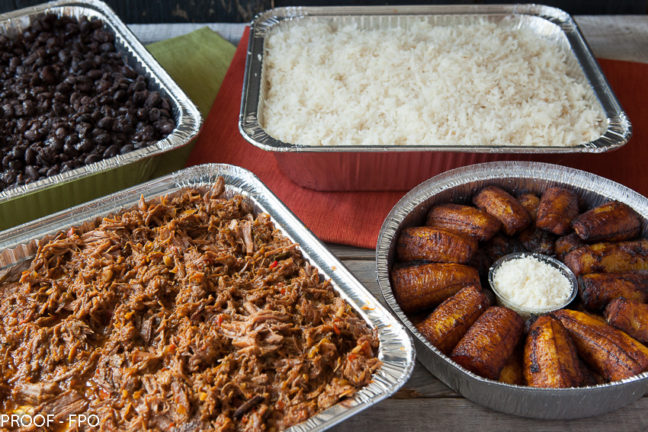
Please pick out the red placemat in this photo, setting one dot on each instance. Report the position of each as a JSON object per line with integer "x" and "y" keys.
{"x": 354, "y": 218}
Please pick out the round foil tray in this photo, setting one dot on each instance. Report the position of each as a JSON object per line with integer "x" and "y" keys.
{"x": 458, "y": 185}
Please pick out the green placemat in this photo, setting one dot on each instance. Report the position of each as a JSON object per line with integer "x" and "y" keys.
{"x": 197, "y": 62}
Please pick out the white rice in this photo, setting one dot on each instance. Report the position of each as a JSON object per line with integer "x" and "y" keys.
{"x": 478, "y": 84}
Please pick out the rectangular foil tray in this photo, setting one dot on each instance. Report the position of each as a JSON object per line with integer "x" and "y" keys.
{"x": 63, "y": 190}
{"x": 458, "y": 186}
{"x": 396, "y": 351}
{"x": 403, "y": 167}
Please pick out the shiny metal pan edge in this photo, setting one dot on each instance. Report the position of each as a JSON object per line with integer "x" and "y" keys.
{"x": 617, "y": 134}
{"x": 187, "y": 116}
{"x": 458, "y": 185}
{"x": 396, "y": 350}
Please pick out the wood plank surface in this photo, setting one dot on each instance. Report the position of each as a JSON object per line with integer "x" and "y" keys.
{"x": 424, "y": 403}
{"x": 458, "y": 414}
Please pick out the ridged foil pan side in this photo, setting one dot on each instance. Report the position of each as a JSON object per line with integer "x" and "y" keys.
{"x": 396, "y": 351}
{"x": 42, "y": 194}
{"x": 551, "y": 24}
{"x": 401, "y": 171}
{"x": 459, "y": 185}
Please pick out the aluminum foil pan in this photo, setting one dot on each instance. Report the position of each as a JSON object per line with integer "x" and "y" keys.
{"x": 396, "y": 350}
{"x": 459, "y": 185}
{"x": 363, "y": 167}
{"x": 54, "y": 193}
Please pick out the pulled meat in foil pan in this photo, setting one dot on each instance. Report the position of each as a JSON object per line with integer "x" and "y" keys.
{"x": 185, "y": 313}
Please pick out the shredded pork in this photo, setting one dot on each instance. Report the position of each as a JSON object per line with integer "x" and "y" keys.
{"x": 186, "y": 313}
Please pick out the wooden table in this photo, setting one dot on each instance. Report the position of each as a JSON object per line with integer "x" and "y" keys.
{"x": 424, "y": 403}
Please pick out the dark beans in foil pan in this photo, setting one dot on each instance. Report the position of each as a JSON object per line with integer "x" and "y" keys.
{"x": 68, "y": 99}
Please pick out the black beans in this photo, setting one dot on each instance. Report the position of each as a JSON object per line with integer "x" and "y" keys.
{"x": 91, "y": 158}
{"x": 105, "y": 122}
{"x": 119, "y": 96}
{"x": 103, "y": 139}
{"x": 153, "y": 100}
{"x": 32, "y": 172}
{"x": 53, "y": 170}
{"x": 30, "y": 156}
{"x": 140, "y": 97}
{"x": 84, "y": 146}
{"x": 165, "y": 127}
{"x": 32, "y": 135}
{"x": 60, "y": 132}
{"x": 68, "y": 99}
{"x": 111, "y": 151}
{"x": 127, "y": 148}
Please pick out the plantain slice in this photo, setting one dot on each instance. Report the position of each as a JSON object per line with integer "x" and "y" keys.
{"x": 422, "y": 286}
{"x": 499, "y": 203}
{"x": 537, "y": 240}
{"x": 451, "y": 319}
{"x": 598, "y": 289}
{"x": 463, "y": 219}
{"x": 612, "y": 221}
{"x": 488, "y": 344}
{"x": 434, "y": 244}
{"x": 530, "y": 202}
{"x": 609, "y": 257}
{"x": 611, "y": 352}
{"x": 558, "y": 206}
{"x": 512, "y": 372}
{"x": 629, "y": 316}
{"x": 566, "y": 244}
{"x": 550, "y": 357}
{"x": 501, "y": 245}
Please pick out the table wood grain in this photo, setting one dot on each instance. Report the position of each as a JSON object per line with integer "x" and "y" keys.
{"x": 424, "y": 403}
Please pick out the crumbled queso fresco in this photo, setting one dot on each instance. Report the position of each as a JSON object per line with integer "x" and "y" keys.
{"x": 531, "y": 283}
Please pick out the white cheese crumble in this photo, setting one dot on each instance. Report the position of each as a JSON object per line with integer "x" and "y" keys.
{"x": 329, "y": 83}
{"x": 531, "y": 283}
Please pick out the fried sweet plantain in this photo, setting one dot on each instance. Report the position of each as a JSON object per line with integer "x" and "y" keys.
{"x": 598, "y": 289}
{"x": 451, "y": 319}
{"x": 609, "y": 257}
{"x": 629, "y": 316}
{"x": 512, "y": 372}
{"x": 558, "y": 206}
{"x": 489, "y": 343}
{"x": 530, "y": 202}
{"x": 482, "y": 263}
{"x": 501, "y": 245}
{"x": 612, "y": 221}
{"x": 434, "y": 244}
{"x": 499, "y": 203}
{"x": 611, "y": 352}
{"x": 537, "y": 240}
{"x": 550, "y": 357}
{"x": 464, "y": 219}
{"x": 590, "y": 376}
{"x": 566, "y": 244}
{"x": 422, "y": 286}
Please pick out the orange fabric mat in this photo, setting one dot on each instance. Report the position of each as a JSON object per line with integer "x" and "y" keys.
{"x": 354, "y": 218}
